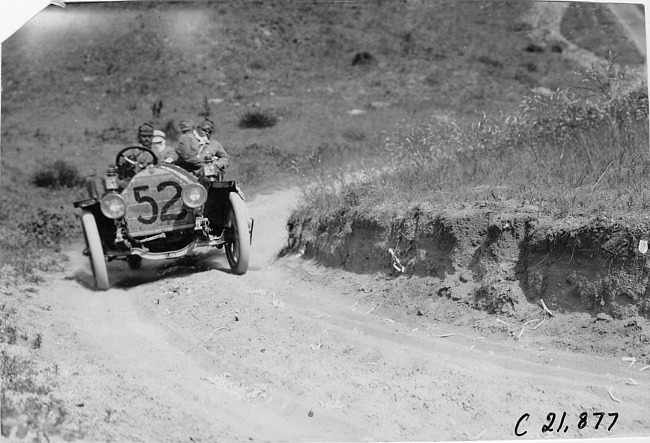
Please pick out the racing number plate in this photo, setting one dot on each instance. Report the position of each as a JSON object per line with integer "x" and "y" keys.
{"x": 154, "y": 204}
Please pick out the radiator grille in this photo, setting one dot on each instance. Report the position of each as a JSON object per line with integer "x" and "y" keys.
{"x": 153, "y": 201}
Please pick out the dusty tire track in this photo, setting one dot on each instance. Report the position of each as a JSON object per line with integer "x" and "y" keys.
{"x": 292, "y": 352}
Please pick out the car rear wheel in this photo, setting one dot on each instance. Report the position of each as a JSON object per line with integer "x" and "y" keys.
{"x": 238, "y": 247}
{"x": 95, "y": 250}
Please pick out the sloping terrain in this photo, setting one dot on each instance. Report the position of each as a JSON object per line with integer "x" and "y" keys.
{"x": 295, "y": 61}
{"x": 295, "y": 350}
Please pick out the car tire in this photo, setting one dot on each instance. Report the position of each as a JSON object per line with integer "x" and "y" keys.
{"x": 95, "y": 250}
{"x": 238, "y": 247}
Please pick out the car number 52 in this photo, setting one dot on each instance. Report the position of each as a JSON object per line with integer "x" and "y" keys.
{"x": 165, "y": 214}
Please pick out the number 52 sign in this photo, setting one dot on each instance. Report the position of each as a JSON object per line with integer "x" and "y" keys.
{"x": 155, "y": 205}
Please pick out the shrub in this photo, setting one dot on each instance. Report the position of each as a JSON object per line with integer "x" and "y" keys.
{"x": 48, "y": 228}
{"x": 31, "y": 244}
{"x": 362, "y": 58}
{"x": 28, "y": 408}
{"x": 532, "y": 47}
{"x": 257, "y": 119}
{"x": 59, "y": 174}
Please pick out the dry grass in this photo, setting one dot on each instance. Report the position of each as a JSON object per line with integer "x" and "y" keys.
{"x": 570, "y": 153}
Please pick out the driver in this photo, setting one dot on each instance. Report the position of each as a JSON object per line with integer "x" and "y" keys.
{"x": 145, "y": 135}
{"x": 195, "y": 144}
{"x": 155, "y": 140}
{"x": 131, "y": 164}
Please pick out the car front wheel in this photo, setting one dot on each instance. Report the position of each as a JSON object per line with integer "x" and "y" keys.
{"x": 238, "y": 247}
{"x": 95, "y": 250}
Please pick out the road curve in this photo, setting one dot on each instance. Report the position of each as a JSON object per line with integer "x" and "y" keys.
{"x": 292, "y": 351}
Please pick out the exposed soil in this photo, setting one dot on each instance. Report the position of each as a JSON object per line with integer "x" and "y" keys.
{"x": 502, "y": 258}
{"x": 184, "y": 350}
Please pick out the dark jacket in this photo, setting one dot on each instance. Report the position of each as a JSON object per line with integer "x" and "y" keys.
{"x": 192, "y": 148}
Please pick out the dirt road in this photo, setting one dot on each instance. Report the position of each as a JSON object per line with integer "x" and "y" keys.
{"x": 291, "y": 351}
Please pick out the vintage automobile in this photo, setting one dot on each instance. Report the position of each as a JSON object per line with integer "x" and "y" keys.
{"x": 146, "y": 209}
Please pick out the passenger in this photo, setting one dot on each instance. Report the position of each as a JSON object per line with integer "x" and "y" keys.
{"x": 165, "y": 154}
{"x": 186, "y": 126}
{"x": 195, "y": 144}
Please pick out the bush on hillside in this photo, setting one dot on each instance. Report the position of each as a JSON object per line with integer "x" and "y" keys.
{"x": 59, "y": 174}
{"x": 257, "y": 119}
{"x": 363, "y": 58}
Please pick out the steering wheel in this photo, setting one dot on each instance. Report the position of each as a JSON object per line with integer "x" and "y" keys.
{"x": 127, "y": 160}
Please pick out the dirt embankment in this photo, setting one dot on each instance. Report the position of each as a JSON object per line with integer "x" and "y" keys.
{"x": 505, "y": 258}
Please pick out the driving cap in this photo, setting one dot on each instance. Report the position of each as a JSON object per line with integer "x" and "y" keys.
{"x": 186, "y": 125}
{"x": 145, "y": 129}
{"x": 159, "y": 134}
{"x": 207, "y": 125}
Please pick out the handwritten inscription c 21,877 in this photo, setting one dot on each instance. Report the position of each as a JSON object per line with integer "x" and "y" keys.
{"x": 562, "y": 425}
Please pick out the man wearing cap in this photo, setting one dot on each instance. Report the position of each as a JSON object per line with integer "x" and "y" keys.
{"x": 137, "y": 160}
{"x": 145, "y": 135}
{"x": 195, "y": 144}
{"x": 186, "y": 126}
{"x": 154, "y": 140}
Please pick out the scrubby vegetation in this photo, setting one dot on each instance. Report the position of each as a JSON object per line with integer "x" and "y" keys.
{"x": 31, "y": 239}
{"x": 579, "y": 150}
{"x": 257, "y": 119}
{"x": 59, "y": 174}
{"x": 29, "y": 410}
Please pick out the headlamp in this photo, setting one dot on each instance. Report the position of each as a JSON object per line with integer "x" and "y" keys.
{"x": 194, "y": 195}
{"x": 113, "y": 206}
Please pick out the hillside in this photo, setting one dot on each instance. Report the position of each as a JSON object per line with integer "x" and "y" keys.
{"x": 90, "y": 84}
{"x": 410, "y": 312}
